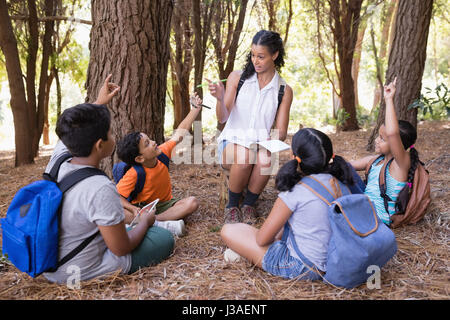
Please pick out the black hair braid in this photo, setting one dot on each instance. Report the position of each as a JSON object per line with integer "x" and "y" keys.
{"x": 414, "y": 156}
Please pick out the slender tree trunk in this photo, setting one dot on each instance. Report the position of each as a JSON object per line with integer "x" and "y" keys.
{"x": 357, "y": 59}
{"x": 346, "y": 17}
{"x": 385, "y": 32}
{"x": 42, "y": 93}
{"x": 130, "y": 40}
{"x": 19, "y": 103}
{"x": 407, "y": 59}
{"x": 181, "y": 60}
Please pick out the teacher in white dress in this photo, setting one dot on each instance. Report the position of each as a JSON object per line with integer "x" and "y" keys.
{"x": 255, "y": 100}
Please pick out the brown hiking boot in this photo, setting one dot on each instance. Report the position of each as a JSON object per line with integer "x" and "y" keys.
{"x": 233, "y": 215}
{"x": 249, "y": 213}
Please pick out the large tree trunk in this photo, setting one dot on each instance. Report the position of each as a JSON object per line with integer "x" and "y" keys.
{"x": 19, "y": 103}
{"x": 407, "y": 59}
{"x": 130, "y": 40}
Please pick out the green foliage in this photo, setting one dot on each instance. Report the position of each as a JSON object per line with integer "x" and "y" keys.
{"x": 341, "y": 117}
{"x": 434, "y": 104}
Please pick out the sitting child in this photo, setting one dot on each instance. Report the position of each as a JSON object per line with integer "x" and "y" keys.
{"x": 93, "y": 204}
{"x": 395, "y": 141}
{"x": 271, "y": 247}
{"x": 137, "y": 149}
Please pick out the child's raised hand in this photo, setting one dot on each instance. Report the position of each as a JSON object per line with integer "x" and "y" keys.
{"x": 107, "y": 91}
{"x": 389, "y": 90}
{"x": 195, "y": 100}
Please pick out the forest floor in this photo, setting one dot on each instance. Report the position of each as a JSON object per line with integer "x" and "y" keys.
{"x": 197, "y": 270}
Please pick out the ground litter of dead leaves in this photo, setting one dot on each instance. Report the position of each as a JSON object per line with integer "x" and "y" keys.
{"x": 197, "y": 270}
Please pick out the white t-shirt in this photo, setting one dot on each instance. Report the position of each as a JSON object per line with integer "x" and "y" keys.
{"x": 254, "y": 112}
{"x": 91, "y": 202}
{"x": 309, "y": 222}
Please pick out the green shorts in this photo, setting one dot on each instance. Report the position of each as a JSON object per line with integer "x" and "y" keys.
{"x": 160, "y": 206}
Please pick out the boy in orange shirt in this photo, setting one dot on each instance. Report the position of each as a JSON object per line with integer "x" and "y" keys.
{"x": 137, "y": 149}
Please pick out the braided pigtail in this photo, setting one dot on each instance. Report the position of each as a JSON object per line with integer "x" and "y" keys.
{"x": 414, "y": 155}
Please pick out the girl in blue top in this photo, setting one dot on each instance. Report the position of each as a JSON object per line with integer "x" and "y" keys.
{"x": 395, "y": 140}
{"x": 272, "y": 247}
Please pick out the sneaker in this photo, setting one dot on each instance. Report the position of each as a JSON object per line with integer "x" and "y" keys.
{"x": 176, "y": 227}
{"x": 249, "y": 213}
{"x": 231, "y": 256}
{"x": 233, "y": 215}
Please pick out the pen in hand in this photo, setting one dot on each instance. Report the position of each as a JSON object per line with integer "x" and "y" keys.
{"x": 205, "y": 84}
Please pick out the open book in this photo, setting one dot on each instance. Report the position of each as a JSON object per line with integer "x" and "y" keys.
{"x": 271, "y": 145}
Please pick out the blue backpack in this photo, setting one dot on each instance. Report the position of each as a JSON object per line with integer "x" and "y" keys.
{"x": 358, "y": 240}
{"x": 30, "y": 230}
{"x": 120, "y": 168}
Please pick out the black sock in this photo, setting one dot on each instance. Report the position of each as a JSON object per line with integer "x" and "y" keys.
{"x": 250, "y": 198}
{"x": 233, "y": 199}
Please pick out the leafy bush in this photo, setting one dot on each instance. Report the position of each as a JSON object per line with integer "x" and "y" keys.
{"x": 434, "y": 104}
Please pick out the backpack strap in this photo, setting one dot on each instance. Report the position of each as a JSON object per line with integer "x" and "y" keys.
{"x": 287, "y": 233}
{"x": 139, "y": 182}
{"x": 164, "y": 159}
{"x": 65, "y": 184}
{"x": 369, "y": 165}
{"x": 383, "y": 186}
{"x": 281, "y": 92}
{"x": 320, "y": 190}
{"x": 53, "y": 174}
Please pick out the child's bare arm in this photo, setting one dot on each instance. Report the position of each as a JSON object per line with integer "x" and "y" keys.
{"x": 270, "y": 230}
{"x": 401, "y": 157}
{"x": 128, "y": 206}
{"x": 186, "y": 124}
{"x": 360, "y": 164}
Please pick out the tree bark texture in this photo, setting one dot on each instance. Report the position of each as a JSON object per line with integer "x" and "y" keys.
{"x": 130, "y": 40}
{"x": 407, "y": 59}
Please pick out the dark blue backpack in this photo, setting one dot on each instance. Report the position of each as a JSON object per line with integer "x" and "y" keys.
{"x": 358, "y": 239}
{"x": 30, "y": 230}
{"x": 120, "y": 168}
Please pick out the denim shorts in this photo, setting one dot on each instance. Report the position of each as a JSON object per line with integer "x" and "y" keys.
{"x": 278, "y": 262}
{"x": 221, "y": 146}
